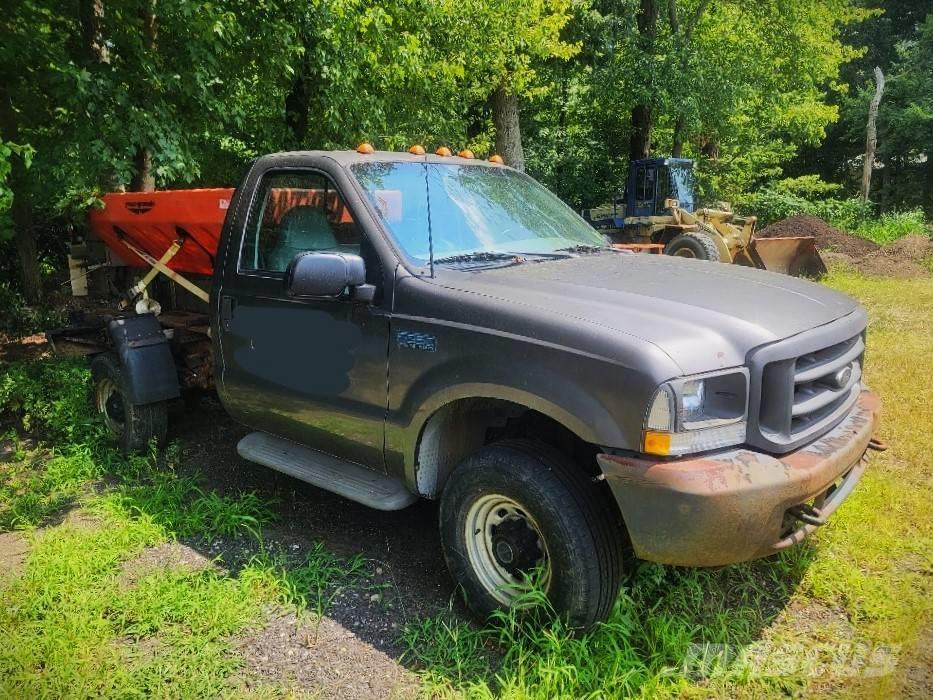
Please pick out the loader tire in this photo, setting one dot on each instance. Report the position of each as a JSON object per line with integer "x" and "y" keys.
{"x": 699, "y": 246}
{"x": 133, "y": 425}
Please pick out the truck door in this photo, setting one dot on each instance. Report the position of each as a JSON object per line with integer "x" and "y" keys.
{"x": 310, "y": 370}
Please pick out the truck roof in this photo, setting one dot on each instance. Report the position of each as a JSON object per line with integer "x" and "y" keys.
{"x": 353, "y": 157}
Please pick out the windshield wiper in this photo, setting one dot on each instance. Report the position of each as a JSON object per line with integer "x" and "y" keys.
{"x": 488, "y": 256}
{"x": 583, "y": 248}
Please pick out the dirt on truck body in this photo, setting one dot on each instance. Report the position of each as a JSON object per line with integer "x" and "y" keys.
{"x": 397, "y": 326}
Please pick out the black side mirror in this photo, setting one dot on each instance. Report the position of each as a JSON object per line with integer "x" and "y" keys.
{"x": 325, "y": 274}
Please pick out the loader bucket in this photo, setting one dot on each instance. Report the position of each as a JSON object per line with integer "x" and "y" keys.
{"x": 796, "y": 256}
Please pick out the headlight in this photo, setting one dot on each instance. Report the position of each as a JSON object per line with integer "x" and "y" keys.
{"x": 693, "y": 414}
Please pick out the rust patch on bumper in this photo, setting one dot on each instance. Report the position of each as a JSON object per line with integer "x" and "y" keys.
{"x": 731, "y": 506}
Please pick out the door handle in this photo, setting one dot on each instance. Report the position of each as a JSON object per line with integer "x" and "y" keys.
{"x": 226, "y": 311}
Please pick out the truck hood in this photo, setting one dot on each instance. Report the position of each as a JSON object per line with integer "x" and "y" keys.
{"x": 703, "y": 315}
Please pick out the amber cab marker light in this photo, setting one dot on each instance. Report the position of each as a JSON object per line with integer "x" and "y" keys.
{"x": 443, "y": 151}
{"x": 657, "y": 443}
{"x": 416, "y": 150}
{"x": 496, "y": 158}
{"x": 365, "y": 148}
{"x": 466, "y": 153}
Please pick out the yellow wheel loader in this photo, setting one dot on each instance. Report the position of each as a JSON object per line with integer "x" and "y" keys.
{"x": 657, "y": 208}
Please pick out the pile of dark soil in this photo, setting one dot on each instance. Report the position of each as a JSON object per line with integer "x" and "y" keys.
{"x": 910, "y": 256}
{"x": 827, "y": 237}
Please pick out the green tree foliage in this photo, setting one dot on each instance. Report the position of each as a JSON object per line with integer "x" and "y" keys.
{"x": 895, "y": 38}
{"x": 738, "y": 85}
{"x": 103, "y": 94}
{"x": 906, "y": 121}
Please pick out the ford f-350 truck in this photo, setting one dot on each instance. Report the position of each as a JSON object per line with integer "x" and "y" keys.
{"x": 397, "y": 326}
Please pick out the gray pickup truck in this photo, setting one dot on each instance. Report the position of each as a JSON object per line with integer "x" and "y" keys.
{"x": 396, "y": 326}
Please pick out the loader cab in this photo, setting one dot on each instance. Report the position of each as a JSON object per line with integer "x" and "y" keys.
{"x": 651, "y": 181}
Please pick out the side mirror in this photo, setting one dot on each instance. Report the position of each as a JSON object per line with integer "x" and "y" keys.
{"x": 324, "y": 274}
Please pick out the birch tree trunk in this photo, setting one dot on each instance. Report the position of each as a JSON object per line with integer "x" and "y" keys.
{"x": 871, "y": 139}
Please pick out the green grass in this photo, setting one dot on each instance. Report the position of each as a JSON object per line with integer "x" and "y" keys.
{"x": 889, "y": 226}
{"x": 70, "y": 625}
{"x": 803, "y": 623}
{"x": 68, "y": 628}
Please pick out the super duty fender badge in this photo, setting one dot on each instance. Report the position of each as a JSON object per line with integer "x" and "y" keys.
{"x": 416, "y": 341}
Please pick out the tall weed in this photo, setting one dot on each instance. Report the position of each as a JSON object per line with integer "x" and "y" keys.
{"x": 49, "y": 398}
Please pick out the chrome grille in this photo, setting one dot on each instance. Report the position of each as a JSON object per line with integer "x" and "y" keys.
{"x": 803, "y": 386}
{"x": 824, "y": 381}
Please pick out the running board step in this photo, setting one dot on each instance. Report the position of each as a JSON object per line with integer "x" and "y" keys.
{"x": 324, "y": 471}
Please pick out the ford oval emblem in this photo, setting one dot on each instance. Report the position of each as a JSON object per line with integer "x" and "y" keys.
{"x": 842, "y": 377}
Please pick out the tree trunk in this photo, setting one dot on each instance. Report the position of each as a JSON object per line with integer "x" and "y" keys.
{"x": 640, "y": 136}
{"x": 297, "y": 108}
{"x": 508, "y": 129}
{"x": 144, "y": 174}
{"x": 143, "y": 177}
{"x": 26, "y": 249}
{"x": 91, "y": 15}
{"x": 871, "y": 138}
{"x": 709, "y": 147}
{"x": 677, "y": 149}
{"x": 24, "y": 234}
{"x": 303, "y": 95}
{"x": 150, "y": 24}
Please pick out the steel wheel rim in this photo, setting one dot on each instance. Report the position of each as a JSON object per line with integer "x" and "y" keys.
{"x": 494, "y": 535}
{"x": 684, "y": 253}
{"x": 110, "y": 405}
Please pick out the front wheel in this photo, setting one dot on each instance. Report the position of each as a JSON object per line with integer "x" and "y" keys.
{"x": 517, "y": 512}
{"x": 697, "y": 245}
{"x": 133, "y": 425}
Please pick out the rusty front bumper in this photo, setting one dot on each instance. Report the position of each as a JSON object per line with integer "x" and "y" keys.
{"x": 736, "y": 505}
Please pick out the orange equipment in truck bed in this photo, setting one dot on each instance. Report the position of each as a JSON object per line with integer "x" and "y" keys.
{"x": 153, "y": 221}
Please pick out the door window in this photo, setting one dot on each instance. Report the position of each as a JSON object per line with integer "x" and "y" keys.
{"x": 296, "y": 212}
{"x": 644, "y": 189}
{"x": 640, "y": 184}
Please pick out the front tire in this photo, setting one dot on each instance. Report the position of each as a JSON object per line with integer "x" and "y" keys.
{"x": 517, "y": 508}
{"x": 133, "y": 425}
{"x": 697, "y": 245}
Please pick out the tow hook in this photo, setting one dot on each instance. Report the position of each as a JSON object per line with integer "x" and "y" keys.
{"x": 877, "y": 445}
{"x": 808, "y": 514}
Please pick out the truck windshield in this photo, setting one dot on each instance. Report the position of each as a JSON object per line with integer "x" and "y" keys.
{"x": 472, "y": 209}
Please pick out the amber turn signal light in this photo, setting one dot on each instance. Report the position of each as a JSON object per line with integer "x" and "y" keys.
{"x": 365, "y": 148}
{"x": 496, "y": 158}
{"x": 416, "y": 150}
{"x": 655, "y": 443}
{"x": 466, "y": 153}
{"x": 443, "y": 151}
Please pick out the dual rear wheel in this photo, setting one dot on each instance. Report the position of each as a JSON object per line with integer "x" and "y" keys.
{"x": 134, "y": 426}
